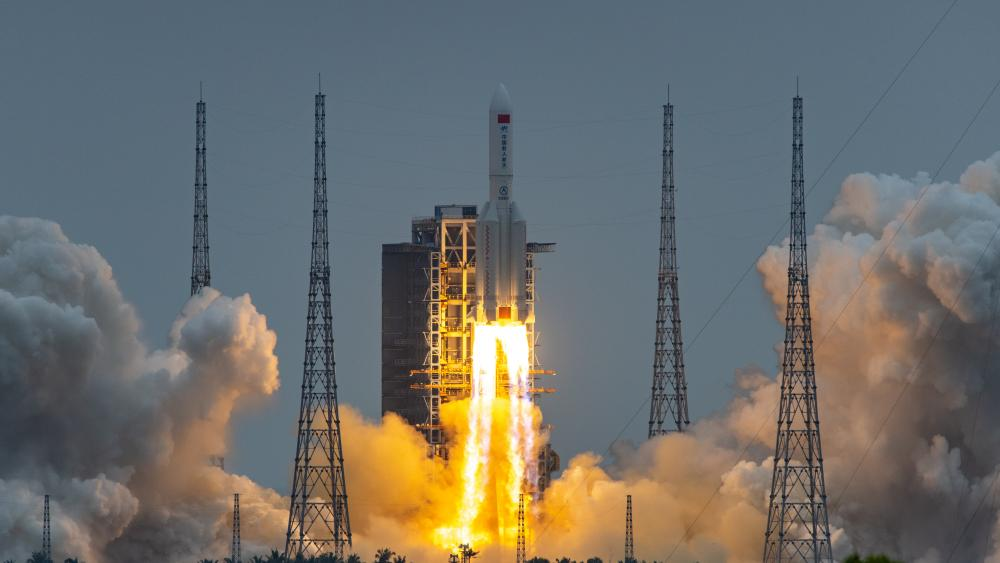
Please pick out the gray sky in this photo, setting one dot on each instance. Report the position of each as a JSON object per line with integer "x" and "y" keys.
{"x": 97, "y": 132}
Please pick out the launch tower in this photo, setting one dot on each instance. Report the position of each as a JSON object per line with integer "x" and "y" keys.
{"x": 435, "y": 288}
{"x": 797, "y": 524}
{"x": 318, "y": 520}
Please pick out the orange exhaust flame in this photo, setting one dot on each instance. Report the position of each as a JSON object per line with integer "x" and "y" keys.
{"x": 498, "y": 451}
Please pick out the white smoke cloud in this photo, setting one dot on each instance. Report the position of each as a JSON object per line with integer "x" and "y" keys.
{"x": 119, "y": 436}
{"x": 930, "y": 468}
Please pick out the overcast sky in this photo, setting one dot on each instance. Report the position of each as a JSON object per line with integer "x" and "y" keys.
{"x": 97, "y": 133}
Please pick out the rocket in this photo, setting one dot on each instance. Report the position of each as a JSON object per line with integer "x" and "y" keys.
{"x": 501, "y": 231}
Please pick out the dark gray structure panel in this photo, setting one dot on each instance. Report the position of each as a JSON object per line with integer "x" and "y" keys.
{"x": 404, "y": 321}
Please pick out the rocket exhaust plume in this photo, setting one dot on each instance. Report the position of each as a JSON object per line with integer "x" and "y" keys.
{"x": 500, "y": 359}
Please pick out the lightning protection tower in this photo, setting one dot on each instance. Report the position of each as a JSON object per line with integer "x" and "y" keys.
{"x": 522, "y": 555}
{"x": 46, "y": 532}
{"x": 201, "y": 274}
{"x": 629, "y": 542}
{"x": 797, "y": 524}
{"x": 669, "y": 394}
{"x": 236, "y": 553}
{"x": 318, "y": 520}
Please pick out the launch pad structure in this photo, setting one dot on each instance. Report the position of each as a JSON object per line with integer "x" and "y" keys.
{"x": 428, "y": 315}
{"x": 466, "y": 265}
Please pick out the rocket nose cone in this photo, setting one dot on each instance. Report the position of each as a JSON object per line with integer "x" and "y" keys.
{"x": 501, "y": 100}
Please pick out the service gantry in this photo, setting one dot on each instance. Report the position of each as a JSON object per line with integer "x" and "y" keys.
{"x": 669, "y": 393}
{"x": 318, "y": 519}
{"x": 797, "y": 524}
{"x": 201, "y": 273}
{"x": 451, "y": 306}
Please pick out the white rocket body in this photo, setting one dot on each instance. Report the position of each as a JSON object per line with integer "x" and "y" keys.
{"x": 501, "y": 232}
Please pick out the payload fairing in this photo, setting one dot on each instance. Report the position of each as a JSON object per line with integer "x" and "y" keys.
{"x": 501, "y": 231}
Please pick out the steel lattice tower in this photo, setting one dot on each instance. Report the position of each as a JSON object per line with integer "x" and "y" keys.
{"x": 46, "y": 532}
{"x": 236, "y": 554}
{"x": 797, "y": 524}
{"x": 669, "y": 394}
{"x": 629, "y": 542}
{"x": 318, "y": 520}
{"x": 201, "y": 274}
{"x": 522, "y": 555}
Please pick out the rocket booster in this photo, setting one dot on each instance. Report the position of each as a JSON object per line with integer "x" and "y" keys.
{"x": 501, "y": 232}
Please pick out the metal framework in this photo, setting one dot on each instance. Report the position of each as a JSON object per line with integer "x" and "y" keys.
{"x": 629, "y": 542}
{"x": 201, "y": 274}
{"x": 797, "y": 525}
{"x": 46, "y": 532}
{"x": 318, "y": 520}
{"x": 521, "y": 547}
{"x": 236, "y": 553}
{"x": 669, "y": 393}
{"x": 451, "y": 309}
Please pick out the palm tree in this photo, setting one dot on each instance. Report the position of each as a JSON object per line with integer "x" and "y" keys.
{"x": 354, "y": 558}
{"x": 39, "y": 557}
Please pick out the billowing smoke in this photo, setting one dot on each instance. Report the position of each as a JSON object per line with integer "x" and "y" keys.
{"x": 905, "y": 477}
{"x": 119, "y": 434}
